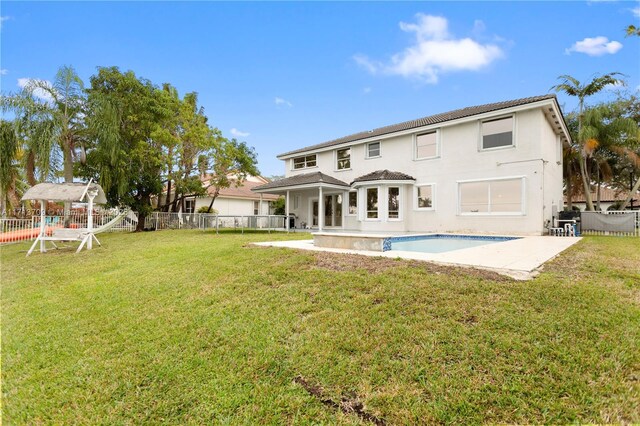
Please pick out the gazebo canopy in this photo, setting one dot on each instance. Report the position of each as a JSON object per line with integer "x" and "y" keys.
{"x": 74, "y": 192}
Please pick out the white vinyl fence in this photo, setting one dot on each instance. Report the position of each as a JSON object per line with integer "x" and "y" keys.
{"x": 617, "y": 223}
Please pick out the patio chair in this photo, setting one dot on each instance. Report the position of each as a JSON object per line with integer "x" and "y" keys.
{"x": 569, "y": 230}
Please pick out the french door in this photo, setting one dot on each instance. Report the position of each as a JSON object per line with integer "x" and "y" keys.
{"x": 332, "y": 211}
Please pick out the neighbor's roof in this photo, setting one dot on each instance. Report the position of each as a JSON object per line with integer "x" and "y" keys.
{"x": 243, "y": 191}
{"x": 302, "y": 179}
{"x": 382, "y": 175}
{"x": 425, "y": 121}
{"x": 73, "y": 192}
{"x": 606, "y": 195}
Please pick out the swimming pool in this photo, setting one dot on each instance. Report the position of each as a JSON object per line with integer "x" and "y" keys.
{"x": 439, "y": 243}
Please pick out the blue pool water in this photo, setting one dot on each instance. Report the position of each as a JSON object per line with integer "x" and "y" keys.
{"x": 439, "y": 243}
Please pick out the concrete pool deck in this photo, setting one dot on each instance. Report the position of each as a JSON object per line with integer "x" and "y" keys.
{"x": 520, "y": 259}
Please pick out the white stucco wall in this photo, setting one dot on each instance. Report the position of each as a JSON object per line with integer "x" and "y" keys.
{"x": 232, "y": 206}
{"x": 460, "y": 158}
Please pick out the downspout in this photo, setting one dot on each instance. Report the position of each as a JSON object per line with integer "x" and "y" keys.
{"x": 543, "y": 161}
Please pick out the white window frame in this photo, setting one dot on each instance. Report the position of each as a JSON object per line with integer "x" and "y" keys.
{"x": 293, "y": 161}
{"x": 348, "y": 197}
{"x": 367, "y": 156}
{"x": 523, "y": 197}
{"x": 256, "y": 207}
{"x": 400, "y": 202}
{"x": 416, "y": 193}
{"x": 335, "y": 158}
{"x": 481, "y": 147}
{"x": 296, "y": 202}
{"x": 365, "y": 205}
{"x": 415, "y": 144}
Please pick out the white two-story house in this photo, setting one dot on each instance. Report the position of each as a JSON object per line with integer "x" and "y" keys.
{"x": 494, "y": 168}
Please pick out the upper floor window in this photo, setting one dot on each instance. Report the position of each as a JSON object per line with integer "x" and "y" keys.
{"x": 373, "y": 150}
{"x": 426, "y": 145}
{"x": 497, "y": 133}
{"x": 304, "y": 162}
{"x": 343, "y": 157}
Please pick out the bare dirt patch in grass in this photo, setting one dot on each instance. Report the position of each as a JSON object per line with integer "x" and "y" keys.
{"x": 351, "y": 262}
{"x": 348, "y": 405}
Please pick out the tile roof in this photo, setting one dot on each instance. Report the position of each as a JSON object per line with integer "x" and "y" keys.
{"x": 383, "y": 175}
{"x": 425, "y": 121}
{"x": 302, "y": 179}
{"x": 606, "y": 195}
{"x": 244, "y": 191}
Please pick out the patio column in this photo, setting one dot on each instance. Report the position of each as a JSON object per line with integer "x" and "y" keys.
{"x": 260, "y": 207}
{"x": 320, "y": 209}
{"x": 286, "y": 212}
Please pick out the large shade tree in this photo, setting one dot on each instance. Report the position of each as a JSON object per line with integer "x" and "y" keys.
{"x": 231, "y": 162}
{"x": 128, "y": 117}
{"x": 188, "y": 136}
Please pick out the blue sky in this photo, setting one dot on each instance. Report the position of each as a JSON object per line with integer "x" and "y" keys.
{"x": 281, "y": 76}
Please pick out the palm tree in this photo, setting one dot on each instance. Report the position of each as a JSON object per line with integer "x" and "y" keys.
{"x": 634, "y": 158}
{"x": 571, "y": 171}
{"x": 51, "y": 116}
{"x": 573, "y": 87}
{"x": 9, "y": 151}
{"x": 610, "y": 136}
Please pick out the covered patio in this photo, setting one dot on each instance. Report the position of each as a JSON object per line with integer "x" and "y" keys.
{"x": 327, "y": 187}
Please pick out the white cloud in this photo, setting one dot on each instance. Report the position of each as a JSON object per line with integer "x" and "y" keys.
{"x": 38, "y": 92}
{"x": 2, "y": 19}
{"x": 435, "y": 51}
{"x": 596, "y": 46}
{"x": 282, "y": 102}
{"x": 4, "y": 71}
{"x": 636, "y": 11}
{"x": 366, "y": 90}
{"x": 237, "y": 133}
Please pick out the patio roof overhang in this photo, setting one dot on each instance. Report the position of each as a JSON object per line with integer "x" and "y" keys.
{"x": 302, "y": 181}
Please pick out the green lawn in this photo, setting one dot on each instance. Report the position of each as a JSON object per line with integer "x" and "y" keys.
{"x": 185, "y": 327}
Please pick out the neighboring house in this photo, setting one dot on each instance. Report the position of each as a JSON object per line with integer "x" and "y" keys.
{"x": 608, "y": 197}
{"x": 494, "y": 168}
{"x": 235, "y": 201}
